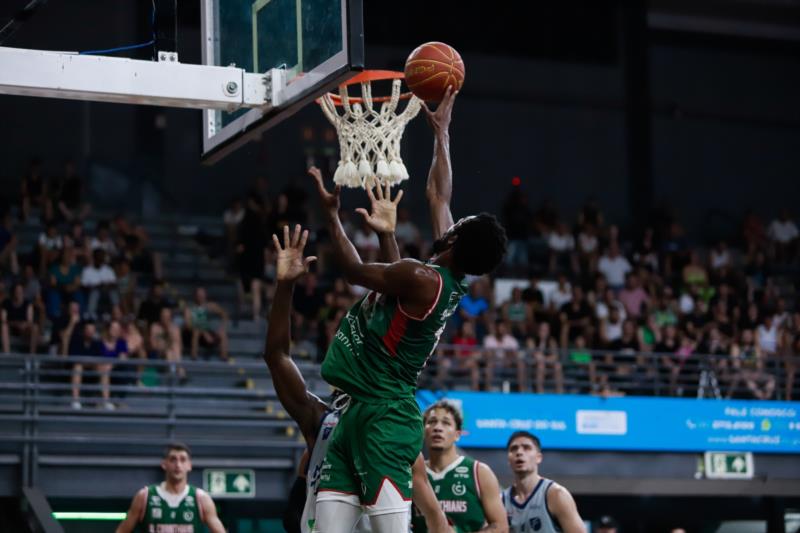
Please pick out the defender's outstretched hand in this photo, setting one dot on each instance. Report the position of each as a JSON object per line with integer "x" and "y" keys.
{"x": 383, "y": 218}
{"x": 440, "y": 119}
{"x": 330, "y": 201}
{"x": 291, "y": 265}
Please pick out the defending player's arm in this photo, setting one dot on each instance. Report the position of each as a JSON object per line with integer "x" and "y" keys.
{"x": 562, "y": 506}
{"x": 304, "y": 407}
{"x": 210, "y": 518}
{"x": 416, "y": 283}
{"x": 383, "y": 220}
{"x": 439, "y": 189}
{"x": 425, "y": 499}
{"x": 493, "y": 510}
{"x": 135, "y": 512}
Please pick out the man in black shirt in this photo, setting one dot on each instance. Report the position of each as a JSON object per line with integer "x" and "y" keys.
{"x": 17, "y": 319}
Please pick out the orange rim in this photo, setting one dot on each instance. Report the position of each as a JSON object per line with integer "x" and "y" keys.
{"x": 370, "y": 76}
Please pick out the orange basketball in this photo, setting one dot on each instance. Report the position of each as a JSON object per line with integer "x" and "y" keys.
{"x": 431, "y": 67}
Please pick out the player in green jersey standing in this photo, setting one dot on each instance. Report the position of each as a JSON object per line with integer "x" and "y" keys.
{"x": 467, "y": 490}
{"x": 173, "y": 506}
{"x": 384, "y": 342}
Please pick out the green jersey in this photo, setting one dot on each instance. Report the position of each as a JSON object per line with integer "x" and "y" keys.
{"x": 459, "y": 493}
{"x": 171, "y": 513}
{"x": 379, "y": 349}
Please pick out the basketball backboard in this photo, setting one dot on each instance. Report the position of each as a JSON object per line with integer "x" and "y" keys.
{"x": 317, "y": 45}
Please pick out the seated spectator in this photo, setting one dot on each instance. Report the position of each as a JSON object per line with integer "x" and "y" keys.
{"x": 366, "y": 242}
{"x": 129, "y": 332}
{"x": 789, "y": 350}
{"x": 591, "y": 214}
{"x": 717, "y": 347}
{"x": 17, "y": 320}
{"x": 694, "y": 273}
{"x": 406, "y": 231}
{"x": 197, "y": 322}
{"x": 720, "y": 256}
{"x": 114, "y": 347}
{"x": 132, "y": 244}
{"x": 502, "y": 350}
{"x": 308, "y": 298}
{"x": 516, "y": 219}
{"x": 602, "y": 308}
{"x": 767, "y": 336}
{"x": 99, "y": 281}
{"x": 463, "y": 357}
{"x": 65, "y": 284}
{"x": 575, "y": 318}
{"x": 749, "y": 366}
{"x": 78, "y": 241}
{"x": 517, "y": 313}
{"x": 562, "y": 294}
{"x": 474, "y": 304}
{"x": 9, "y": 262}
{"x": 752, "y": 318}
{"x": 545, "y": 354}
{"x": 614, "y": 267}
{"x": 561, "y": 244}
{"x": 645, "y": 253}
{"x": 34, "y": 192}
{"x": 588, "y": 248}
{"x": 33, "y": 293}
{"x": 103, "y": 241}
{"x": 71, "y": 205}
{"x": 675, "y": 248}
{"x": 83, "y": 342}
{"x": 627, "y": 348}
{"x": 633, "y": 296}
{"x": 611, "y": 327}
{"x": 783, "y": 235}
{"x": 126, "y": 284}
{"x": 581, "y": 363}
{"x": 251, "y": 247}
{"x": 63, "y": 327}
{"x": 165, "y": 340}
{"x": 150, "y": 308}
{"x": 753, "y": 233}
{"x": 49, "y": 247}
{"x": 665, "y": 312}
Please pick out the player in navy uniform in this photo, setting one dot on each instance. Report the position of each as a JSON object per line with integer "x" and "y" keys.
{"x": 535, "y": 504}
{"x": 315, "y": 418}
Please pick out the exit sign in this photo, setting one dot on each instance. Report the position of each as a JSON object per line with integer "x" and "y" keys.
{"x": 729, "y": 465}
{"x": 230, "y": 483}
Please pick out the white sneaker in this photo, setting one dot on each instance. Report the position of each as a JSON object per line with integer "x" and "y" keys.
{"x": 108, "y": 406}
{"x": 76, "y": 404}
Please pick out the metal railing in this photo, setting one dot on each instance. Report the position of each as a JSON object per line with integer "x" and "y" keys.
{"x": 213, "y": 406}
{"x": 608, "y": 372}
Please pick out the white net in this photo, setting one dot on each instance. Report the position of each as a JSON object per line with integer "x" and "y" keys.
{"x": 369, "y": 139}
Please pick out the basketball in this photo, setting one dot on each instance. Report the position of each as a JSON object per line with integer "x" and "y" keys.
{"x": 431, "y": 68}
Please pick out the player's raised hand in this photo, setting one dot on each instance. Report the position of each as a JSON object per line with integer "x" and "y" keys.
{"x": 383, "y": 218}
{"x": 330, "y": 201}
{"x": 291, "y": 265}
{"x": 440, "y": 119}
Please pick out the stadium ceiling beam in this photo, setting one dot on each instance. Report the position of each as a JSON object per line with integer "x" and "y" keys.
{"x": 165, "y": 82}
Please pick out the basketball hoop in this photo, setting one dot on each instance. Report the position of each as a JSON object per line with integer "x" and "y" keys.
{"x": 369, "y": 139}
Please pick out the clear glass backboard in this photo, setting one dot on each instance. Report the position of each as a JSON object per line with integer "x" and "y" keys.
{"x": 319, "y": 44}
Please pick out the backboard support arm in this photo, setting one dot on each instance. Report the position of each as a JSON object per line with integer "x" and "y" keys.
{"x": 131, "y": 81}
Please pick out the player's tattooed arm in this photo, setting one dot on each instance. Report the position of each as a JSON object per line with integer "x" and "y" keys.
{"x": 135, "y": 513}
{"x": 425, "y": 499}
{"x": 416, "y": 283}
{"x": 304, "y": 407}
{"x": 439, "y": 189}
{"x": 493, "y": 509}
{"x": 382, "y": 218}
{"x": 562, "y": 506}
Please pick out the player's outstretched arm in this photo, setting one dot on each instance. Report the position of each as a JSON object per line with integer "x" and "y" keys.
{"x": 562, "y": 506}
{"x": 210, "y": 518}
{"x": 416, "y": 283}
{"x": 305, "y": 408}
{"x": 493, "y": 510}
{"x": 134, "y": 513}
{"x": 425, "y": 499}
{"x": 383, "y": 220}
{"x": 439, "y": 190}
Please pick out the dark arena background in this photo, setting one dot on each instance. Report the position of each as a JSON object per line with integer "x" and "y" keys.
{"x": 643, "y": 157}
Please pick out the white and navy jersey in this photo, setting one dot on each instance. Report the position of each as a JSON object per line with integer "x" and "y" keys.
{"x": 326, "y": 427}
{"x": 531, "y": 516}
